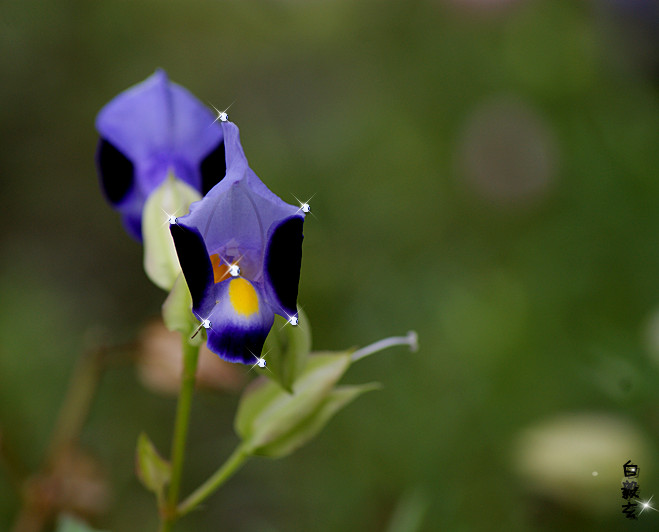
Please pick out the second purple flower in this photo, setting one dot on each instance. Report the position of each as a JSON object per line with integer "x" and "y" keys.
{"x": 149, "y": 131}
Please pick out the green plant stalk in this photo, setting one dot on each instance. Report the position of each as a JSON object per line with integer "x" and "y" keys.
{"x": 232, "y": 464}
{"x": 179, "y": 439}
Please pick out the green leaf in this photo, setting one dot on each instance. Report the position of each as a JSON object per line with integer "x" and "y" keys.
{"x": 286, "y": 349}
{"x": 68, "y": 523}
{"x": 172, "y": 197}
{"x": 267, "y": 412}
{"x": 305, "y": 431}
{"x": 152, "y": 469}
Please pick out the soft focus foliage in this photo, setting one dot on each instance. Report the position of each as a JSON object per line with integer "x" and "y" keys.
{"x": 153, "y": 471}
{"x": 273, "y": 422}
{"x": 484, "y": 173}
{"x": 287, "y": 347}
{"x": 71, "y": 524}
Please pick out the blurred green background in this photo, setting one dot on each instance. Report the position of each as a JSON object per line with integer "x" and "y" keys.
{"x": 483, "y": 172}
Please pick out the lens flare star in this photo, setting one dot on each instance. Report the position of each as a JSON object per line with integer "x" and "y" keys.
{"x": 205, "y": 324}
{"x": 304, "y": 205}
{"x": 260, "y": 362}
{"x": 291, "y": 320}
{"x": 233, "y": 268}
{"x": 170, "y": 218}
{"x": 222, "y": 116}
{"x": 645, "y": 505}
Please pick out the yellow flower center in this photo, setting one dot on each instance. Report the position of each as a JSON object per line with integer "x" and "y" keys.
{"x": 243, "y": 297}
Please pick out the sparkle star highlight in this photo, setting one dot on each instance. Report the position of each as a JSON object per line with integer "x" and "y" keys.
{"x": 205, "y": 323}
{"x": 645, "y": 505}
{"x": 304, "y": 205}
{"x": 260, "y": 362}
{"x": 233, "y": 268}
{"x": 170, "y": 218}
{"x": 222, "y": 116}
{"x": 291, "y": 319}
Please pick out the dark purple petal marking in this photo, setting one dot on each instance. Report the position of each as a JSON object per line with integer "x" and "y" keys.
{"x": 283, "y": 262}
{"x": 213, "y": 168}
{"x": 196, "y": 266}
{"x": 116, "y": 170}
{"x": 237, "y": 344}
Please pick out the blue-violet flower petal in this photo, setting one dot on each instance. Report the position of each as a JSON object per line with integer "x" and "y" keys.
{"x": 147, "y": 131}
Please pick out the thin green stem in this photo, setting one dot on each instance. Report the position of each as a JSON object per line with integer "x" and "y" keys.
{"x": 165, "y": 525}
{"x": 179, "y": 439}
{"x": 218, "y": 478}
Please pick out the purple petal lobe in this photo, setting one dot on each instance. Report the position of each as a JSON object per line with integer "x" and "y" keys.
{"x": 158, "y": 116}
{"x": 237, "y": 214}
{"x": 238, "y": 330}
{"x": 283, "y": 261}
{"x": 235, "y": 344}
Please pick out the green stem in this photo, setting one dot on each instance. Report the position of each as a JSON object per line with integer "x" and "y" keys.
{"x": 190, "y": 358}
{"x": 218, "y": 478}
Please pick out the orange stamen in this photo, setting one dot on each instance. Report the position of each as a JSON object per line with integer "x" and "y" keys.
{"x": 220, "y": 268}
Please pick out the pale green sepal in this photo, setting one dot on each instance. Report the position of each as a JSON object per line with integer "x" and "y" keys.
{"x": 177, "y": 312}
{"x": 267, "y": 412}
{"x": 173, "y": 197}
{"x": 286, "y": 349}
{"x": 153, "y": 471}
{"x": 309, "y": 428}
{"x": 68, "y": 523}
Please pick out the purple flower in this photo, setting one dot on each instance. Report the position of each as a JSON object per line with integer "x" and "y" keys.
{"x": 148, "y": 131}
{"x": 240, "y": 249}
